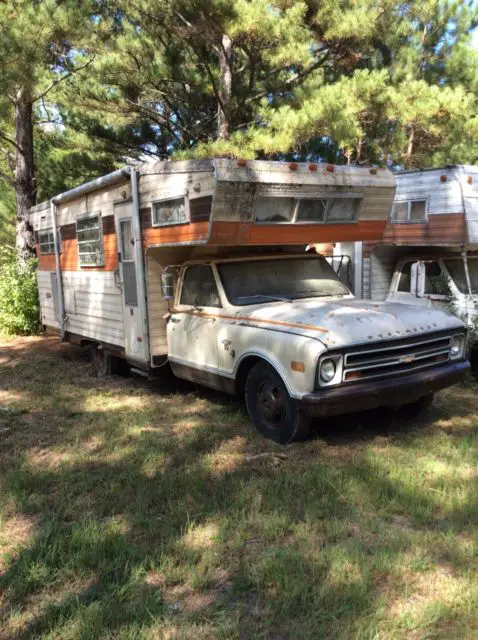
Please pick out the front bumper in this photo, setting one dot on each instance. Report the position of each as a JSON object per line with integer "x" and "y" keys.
{"x": 390, "y": 392}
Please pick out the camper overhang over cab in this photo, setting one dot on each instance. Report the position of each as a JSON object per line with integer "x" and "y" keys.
{"x": 201, "y": 265}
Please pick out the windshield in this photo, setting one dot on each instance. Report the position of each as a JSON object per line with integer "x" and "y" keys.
{"x": 456, "y": 269}
{"x": 257, "y": 281}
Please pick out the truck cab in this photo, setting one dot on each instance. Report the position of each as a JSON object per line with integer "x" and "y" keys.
{"x": 285, "y": 332}
{"x": 447, "y": 281}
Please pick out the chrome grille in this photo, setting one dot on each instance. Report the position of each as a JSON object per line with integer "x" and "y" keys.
{"x": 396, "y": 357}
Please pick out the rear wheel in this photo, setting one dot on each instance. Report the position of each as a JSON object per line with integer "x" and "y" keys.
{"x": 273, "y": 412}
{"x": 104, "y": 364}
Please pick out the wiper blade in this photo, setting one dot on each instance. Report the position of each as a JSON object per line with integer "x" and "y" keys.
{"x": 265, "y": 297}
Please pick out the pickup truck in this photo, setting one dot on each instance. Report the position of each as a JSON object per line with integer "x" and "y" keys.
{"x": 284, "y": 332}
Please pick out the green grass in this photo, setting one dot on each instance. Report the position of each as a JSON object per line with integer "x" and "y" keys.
{"x": 148, "y": 510}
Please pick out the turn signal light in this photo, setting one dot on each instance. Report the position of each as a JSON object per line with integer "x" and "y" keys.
{"x": 241, "y": 162}
{"x": 443, "y": 178}
{"x": 297, "y": 366}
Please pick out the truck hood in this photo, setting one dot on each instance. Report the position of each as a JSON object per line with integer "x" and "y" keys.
{"x": 347, "y": 321}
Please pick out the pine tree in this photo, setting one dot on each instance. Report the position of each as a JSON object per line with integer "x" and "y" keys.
{"x": 355, "y": 81}
{"x": 42, "y": 44}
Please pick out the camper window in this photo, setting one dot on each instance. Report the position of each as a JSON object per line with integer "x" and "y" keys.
{"x": 47, "y": 242}
{"x": 90, "y": 241}
{"x": 275, "y": 209}
{"x": 311, "y": 210}
{"x": 172, "y": 211}
{"x": 409, "y": 211}
{"x": 341, "y": 209}
{"x": 199, "y": 288}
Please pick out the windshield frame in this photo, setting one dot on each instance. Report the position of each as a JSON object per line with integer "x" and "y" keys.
{"x": 268, "y": 296}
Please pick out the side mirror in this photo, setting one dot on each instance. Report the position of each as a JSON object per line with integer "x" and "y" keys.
{"x": 167, "y": 285}
{"x": 417, "y": 279}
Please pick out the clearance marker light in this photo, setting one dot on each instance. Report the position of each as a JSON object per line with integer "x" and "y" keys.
{"x": 312, "y": 166}
{"x": 241, "y": 163}
{"x": 297, "y": 366}
{"x": 330, "y": 168}
{"x": 443, "y": 178}
{"x": 373, "y": 171}
{"x": 293, "y": 166}
{"x": 469, "y": 180}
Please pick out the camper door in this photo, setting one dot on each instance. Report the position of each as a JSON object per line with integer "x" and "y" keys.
{"x": 126, "y": 278}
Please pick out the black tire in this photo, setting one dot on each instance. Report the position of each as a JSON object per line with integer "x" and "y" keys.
{"x": 414, "y": 409}
{"x": 104, "y": 364}
{"x": 273, "y": 412}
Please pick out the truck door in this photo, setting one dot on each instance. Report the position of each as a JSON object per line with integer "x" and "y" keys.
{"x": 135, "y": 346}
{"x": 192, "y": 327}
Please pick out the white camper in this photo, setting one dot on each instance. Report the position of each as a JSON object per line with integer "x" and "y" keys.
{"x": 202, "y": 265}
{"x": 428, "y": 256}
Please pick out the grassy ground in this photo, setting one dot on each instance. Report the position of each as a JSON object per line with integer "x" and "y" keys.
{"x": 136, "y": 510}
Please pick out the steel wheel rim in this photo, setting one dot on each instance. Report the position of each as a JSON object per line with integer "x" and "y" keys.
{"x": 271, "y": 404}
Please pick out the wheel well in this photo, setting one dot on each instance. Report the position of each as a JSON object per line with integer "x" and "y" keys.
{"x": 243, "y": 371}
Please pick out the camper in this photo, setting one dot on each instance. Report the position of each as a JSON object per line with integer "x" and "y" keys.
{"x": 201, "y": 266}
{"x": 428, "y": 256}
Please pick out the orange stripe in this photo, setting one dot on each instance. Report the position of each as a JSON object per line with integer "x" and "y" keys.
{"x": 280, "y": 323}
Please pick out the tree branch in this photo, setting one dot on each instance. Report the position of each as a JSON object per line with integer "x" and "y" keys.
{"x": 11, "y": 141}
{"x": 65, "y": 77}
{"x": 300, "y": 75}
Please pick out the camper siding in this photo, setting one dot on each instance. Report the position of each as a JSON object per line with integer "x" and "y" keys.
{"x": 452, "y": 207}
{"x": 93, "y": 306}
{"x": 197, "y": 185}
{"x": 443, "y": 197}
{"x": 468, "y": 176}
{"x": 366, "y": 276}
{"x": 471, "y": 210}
{"x": 101, "y": 201}
{"x": 440, "y": 229}
{"x": 69, "y": 249}
{"x": 381, "y": 268}
{"x": 45, "y": 294}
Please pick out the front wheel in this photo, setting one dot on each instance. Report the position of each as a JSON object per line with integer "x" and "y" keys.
{"x": 273, "y": 412}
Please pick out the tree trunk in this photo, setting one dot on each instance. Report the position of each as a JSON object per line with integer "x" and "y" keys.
{"x": 225, "y": 87}
{"x": 24, "y": 173}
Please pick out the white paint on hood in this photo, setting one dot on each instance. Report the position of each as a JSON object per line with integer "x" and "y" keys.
{"x": 349, "y": 321}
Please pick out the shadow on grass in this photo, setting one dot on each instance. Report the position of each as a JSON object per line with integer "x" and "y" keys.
{"x": 166, "y": 514}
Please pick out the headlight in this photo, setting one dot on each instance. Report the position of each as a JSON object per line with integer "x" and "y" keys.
{"x": 327, "y": 370}
{"x": 456, "y": 346}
